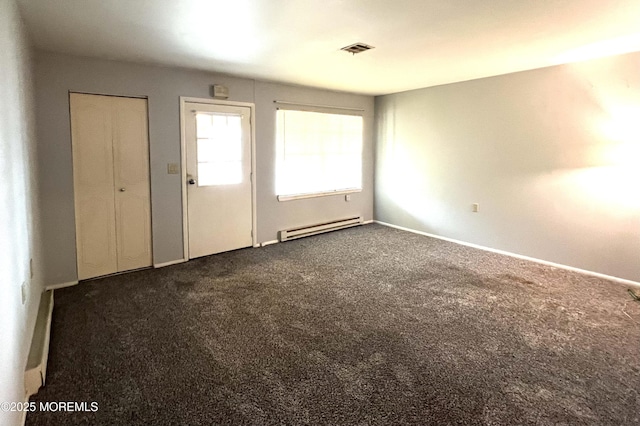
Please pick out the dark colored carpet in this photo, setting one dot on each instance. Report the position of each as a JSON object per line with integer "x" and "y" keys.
{"x": 365, "y": 326}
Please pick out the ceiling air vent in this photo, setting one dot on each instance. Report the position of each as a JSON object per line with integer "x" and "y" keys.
{"x": 357, "y": 48}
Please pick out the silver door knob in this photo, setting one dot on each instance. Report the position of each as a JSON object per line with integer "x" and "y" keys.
{"x": 192, "y": 181}
{"x": 122, "y": 189}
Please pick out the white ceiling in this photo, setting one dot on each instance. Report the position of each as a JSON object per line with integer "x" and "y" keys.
{"x": 418, "y": 43}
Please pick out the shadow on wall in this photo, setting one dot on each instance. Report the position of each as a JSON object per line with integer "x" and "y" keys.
{"x": 552, "y": 156}
{"x": 609, "y": 170}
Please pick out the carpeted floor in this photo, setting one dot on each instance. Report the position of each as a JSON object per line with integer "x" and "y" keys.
{"x": 366, "y": 326}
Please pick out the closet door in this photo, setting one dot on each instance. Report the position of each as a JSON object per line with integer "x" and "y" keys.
{"x": 111, "y": 184}
{"x": 131, "y": 177}
{"x": 91, "y": 136}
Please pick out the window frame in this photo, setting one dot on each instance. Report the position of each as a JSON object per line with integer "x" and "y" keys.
{"x": 321, "y": 110}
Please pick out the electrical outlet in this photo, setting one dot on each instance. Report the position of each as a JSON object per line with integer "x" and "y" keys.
{"x": 173, "y": 169}
{"x": 347, "y": 197}
{"x": 23, "y": 292}
{"x": 475, "y": 207}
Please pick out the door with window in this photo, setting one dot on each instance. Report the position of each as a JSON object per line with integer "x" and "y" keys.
{"x": 219, "y": 178}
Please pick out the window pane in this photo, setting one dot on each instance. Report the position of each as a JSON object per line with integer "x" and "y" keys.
{"x": 317, "y": 152}
{"x": 203, "y": 125}
{"x": 219, "y": 149}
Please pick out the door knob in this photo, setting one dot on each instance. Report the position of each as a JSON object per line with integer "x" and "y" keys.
{"x": 192, "y": 181}
{"x": 122, "y": 189}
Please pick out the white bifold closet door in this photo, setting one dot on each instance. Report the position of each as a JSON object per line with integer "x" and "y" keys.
{"x": 110, "y": 142}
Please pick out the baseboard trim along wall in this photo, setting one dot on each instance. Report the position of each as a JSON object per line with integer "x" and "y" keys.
{"x": 268, "y": 243}
{"x": 60, "y": 285}
{"x": 36, "y": 371}
{"x": 518, "y": 256}
{"x": 173, "y": 262}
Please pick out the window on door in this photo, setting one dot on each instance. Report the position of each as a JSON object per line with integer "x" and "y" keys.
{"x": 317, "y": 153}
{"x": 219, "y": 149}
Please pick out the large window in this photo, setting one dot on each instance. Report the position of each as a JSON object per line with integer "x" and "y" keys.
{"x": 317, "y": 153}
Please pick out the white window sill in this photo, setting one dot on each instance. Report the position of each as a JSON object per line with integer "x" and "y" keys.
{"x": 317, "y": 194}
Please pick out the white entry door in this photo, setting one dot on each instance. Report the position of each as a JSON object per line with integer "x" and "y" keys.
{"x": 219, "y": 187}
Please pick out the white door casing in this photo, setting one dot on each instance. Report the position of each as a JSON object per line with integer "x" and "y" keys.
{"x": 218, "y": 152}
{"x": 111, "y": 183}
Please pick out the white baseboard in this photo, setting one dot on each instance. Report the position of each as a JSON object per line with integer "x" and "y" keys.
{"x": 35, "y": 373}
{"x": 173, "y": 262}
{"x": 517, "y": 256}
{"x": 61, "y": 285}
{"x": 366, "y": 222}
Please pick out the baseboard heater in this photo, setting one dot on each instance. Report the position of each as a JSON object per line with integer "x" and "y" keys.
{"x": 306, "y": 231}
{"x": 36, "y": 372}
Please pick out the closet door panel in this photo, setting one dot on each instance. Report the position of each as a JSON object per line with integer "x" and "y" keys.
{"x": 94, "y": 190}
{"x": 131, "y": 177}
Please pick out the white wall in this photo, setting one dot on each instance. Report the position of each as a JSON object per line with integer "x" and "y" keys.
{"x": 57, "y": 74}
{"x": 551, "y": 155}
{"x": 19, "y": 224}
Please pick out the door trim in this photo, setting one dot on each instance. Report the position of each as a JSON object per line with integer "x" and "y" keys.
{"x": 183, "y": 166}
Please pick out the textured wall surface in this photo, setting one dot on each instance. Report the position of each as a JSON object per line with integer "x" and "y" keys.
{"x": 19, "y": 218}
{"x": 551, "y": 156}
